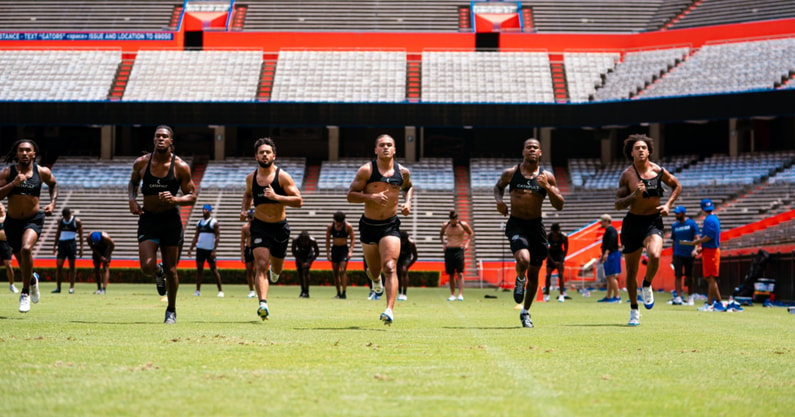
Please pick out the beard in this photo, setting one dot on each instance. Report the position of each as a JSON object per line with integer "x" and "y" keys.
{"x": 265, "y": 164}
{"x": 25, "y": 163}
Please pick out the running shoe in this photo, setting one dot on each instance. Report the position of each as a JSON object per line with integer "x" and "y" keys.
{"x": 197, "y": 293}
{"x": 273, "y": 278}
{"x": 615, "y": 300}
{"x": 648, "y": 297}
{"x": 546, "y": 298}
{"x": 24, "y": 303}
{"x": 677, "y": 301}
{"x": 561, "y": 298}
{"x": 734, "y": 306}
{"x": 71, "y": 290}
{"x": 171, "y": 317}
{"x": 56, "y": 291}
{"x": 451, "y": 298}
{"x": 387, "y": 317}
{"x": 518, "y": 289}
{"x": 252, "y": 294}
{"x": 524, "y": 317}
{"x": 604, "y": 300}
{"x": 718, "y": 306}
{"x": 634, "y": 317}
{"x": 705, "y": 307}
{"x": 460, "y": 298}
{"x": 34, "y": 289}
{"x": 160, "y": 280}
{"x": 263, "y": 311}
{"x": 220, "y": 294}
{"x": 13, "y": 289}
{"x": 401, "y": 297}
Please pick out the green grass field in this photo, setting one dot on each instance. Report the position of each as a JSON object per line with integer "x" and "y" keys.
{"x": 92, "y": 355}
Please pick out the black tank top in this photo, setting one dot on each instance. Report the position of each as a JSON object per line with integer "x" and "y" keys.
{"x": 31, "y": 186}
{"x": 519, "y": 182}
{"x": 394, "y": 179}
{"x": 69, "y": 226}
{"x": 153, "y": 185}
{"x": 653, "y": 186}
{"x": 259, "y": 191}
{"x": 339, "y": 233}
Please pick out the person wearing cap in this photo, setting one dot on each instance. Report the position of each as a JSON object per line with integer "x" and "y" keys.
{"x": 68, "y": 233}
{"x": 101, "y": 246}
{"x": 640, "y": 189}
{"x": 684, "y": 229}
{"x": 610, "y": 259}
{"x": 246, "y": 255}
{"x": 205, "y": 240}
{"x": 528, "y": 185}
{"x": 710, "y": 255}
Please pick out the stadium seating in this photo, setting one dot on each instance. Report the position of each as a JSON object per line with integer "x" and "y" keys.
{"x": 57, "y": 75}
{"x": 81, "y": 15}
{"x": 213, "y": 75}
{"x": 714, "y": 12}
{"x": 340, "y": 76}
{"x": 638, "y": 69}
{"x": 231, "y": 173}
{"x": 583, "y": 72}
{"x": 486, "y": 77}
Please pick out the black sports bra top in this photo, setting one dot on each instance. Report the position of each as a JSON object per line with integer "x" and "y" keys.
{"x": 653, "y": 186}
{"x": 153, "y": 185}
{"x": 519, "y": 182}
{"x": 394, "y": 179}
{"x": 259, "y": 191}
{"x": 31, "y": 186}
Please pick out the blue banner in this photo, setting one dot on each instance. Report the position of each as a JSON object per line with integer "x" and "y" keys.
{"x": 86, "y": 36}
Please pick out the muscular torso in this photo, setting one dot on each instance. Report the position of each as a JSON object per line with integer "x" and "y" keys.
{"x": 269, "y": 213}
{"x": 158, "y": 169}
{"x": 23, "y": 206}
{"x": 629, "y": 181}
{"x": 455, "y": 235}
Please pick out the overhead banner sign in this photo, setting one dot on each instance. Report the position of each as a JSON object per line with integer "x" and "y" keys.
{"x": 496, "y": 16}
{"x": 86, "y": 36}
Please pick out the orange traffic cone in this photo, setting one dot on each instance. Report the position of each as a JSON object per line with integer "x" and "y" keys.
{"x": 540, "y": 295}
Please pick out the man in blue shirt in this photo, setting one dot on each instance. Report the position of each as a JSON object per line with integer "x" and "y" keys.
{"x": 710, "y": 255}
{"x": 685, "y": 229}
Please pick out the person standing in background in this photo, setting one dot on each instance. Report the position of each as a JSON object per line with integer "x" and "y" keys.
{"x": 558, "y": 248}
{"x": 205, "y": 240}
{"x": 610, "y": 259}
{"x": 684, "y": 229}
{"x": 340, "y": 241}
{"x": 305, "y": 250}
{"x": 102, "y": 247}
{"x": 455, "y": 236}
{"x": 68, "y": 233}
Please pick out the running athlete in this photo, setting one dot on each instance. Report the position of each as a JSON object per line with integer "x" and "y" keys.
{"x": 529, "y": 185}
{"x": 271, "y": 189}
{"x": 640, "y": 188}
{"x": 378, "y": 185}
{"x": 161, "y": 175}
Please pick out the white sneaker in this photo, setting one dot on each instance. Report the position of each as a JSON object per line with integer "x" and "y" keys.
{"x": 706, "y": 307}
{"x": 378, "y": 286}
{"x": 197, "y": 293}
{"x": 402, "y": 297}
{"x": 677, "y": 301}
{"x": 634, "y": 317}
{"x": 24, "y": 303}
{"x": 13, "y": 289}
{"x": 546, "y": 298}
{"x": 460, "y": 298}
{"x": 273, "y": 278}
{"x": 648, "y": 297}
{"x": 252, "y": 294}
{"x": 71, "y": 290}
{"x": 34, "y": 289}
{"x": 561, "y": 298}
{"x": 451, "y": 298}
{"x": 690, "y": 300}
{"x": 220, "y": 294}
{"x": 387, "y": 317}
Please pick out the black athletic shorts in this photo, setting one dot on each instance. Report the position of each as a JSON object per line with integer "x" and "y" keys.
{"x": 16, "y": 227}
{"x": 274, "y": 236}
{"x": 248, "y": 254}
{"x": 683, "y": 266}
{"x": 636, "y": 229}
{"x": 339, "y": 253}
{"x": 454, "y": 260}
{"x": 205, "y": 255}
{"x": 163, "y": 228}
{"x": 371, "y": 231}
{"x": 67, "y": 249}
{"x": 5, "y": 251}
{"x": 530, "y": 235}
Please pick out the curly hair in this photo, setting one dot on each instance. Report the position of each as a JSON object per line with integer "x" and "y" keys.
{"x": 11, "y": 157}
{"x": 264, "y": 141}
{"x": 629, "y": 143}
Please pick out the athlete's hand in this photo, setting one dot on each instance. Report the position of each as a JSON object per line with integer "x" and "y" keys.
{"x": 542, "y": 180}
{"x": 48, "y": 209}
{"x": 502, "y": 208}
{"x": 405, "y": 209}
{"x": 135, "y": 208}
{"x": 380, "y": 198}
{"x": 269, "y": 193}
{"x": 640, "y": 188}
{"x": 167, "y": 197}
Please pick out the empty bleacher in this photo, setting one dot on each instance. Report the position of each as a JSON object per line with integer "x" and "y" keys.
{"x": 486, "y": 77}
{"x": 721, "y": 12}
{"x": 212, "y": 75}
{"x": 592, "y": 16}
{"x": 636, "y": 71}
{"x": 584, "y": 71}
{"x": 340, "y": 76}
{"x": 81, "y": 15}
{"x": 729, "y": 67}
{"x": 57, "y": 75}
{"x": 353, "y": 15}
{"x": 230, "y": 173}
